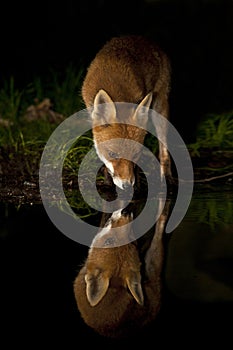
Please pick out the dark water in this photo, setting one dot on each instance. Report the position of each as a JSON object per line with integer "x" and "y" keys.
{"x": 39, "y": 265}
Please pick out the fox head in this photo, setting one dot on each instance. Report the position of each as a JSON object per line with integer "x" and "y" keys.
{"x": 114, "y": 126}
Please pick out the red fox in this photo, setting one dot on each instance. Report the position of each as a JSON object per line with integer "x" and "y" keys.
{"x": 133, "y": 70}
{"x": 117, "y": 291}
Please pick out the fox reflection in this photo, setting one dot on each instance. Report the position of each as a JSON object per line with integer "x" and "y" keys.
{"x": 118, "y": 290}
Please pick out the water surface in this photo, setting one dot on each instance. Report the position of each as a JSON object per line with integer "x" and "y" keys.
{"x": 39, "y": 265}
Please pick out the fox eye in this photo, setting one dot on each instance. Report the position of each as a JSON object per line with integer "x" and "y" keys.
{"x": 112, "y": 154}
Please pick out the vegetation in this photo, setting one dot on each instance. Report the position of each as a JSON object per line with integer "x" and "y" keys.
{"x": 28, "y": 117}
{"x": 212, "y": 152}
{"x": 214, "y": 132}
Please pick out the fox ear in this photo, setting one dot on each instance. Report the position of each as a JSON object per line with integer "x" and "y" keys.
{"x": 135, "y": 287}
{"x": 96, "y": 287}
{"x": 104, "y": 109}
{"x": 141, "y": 114}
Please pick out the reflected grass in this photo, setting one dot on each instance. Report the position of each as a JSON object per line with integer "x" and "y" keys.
{"x": 212, "y": 206}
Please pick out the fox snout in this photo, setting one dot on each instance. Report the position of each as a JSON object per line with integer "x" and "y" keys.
{"x": 122, "y": 172}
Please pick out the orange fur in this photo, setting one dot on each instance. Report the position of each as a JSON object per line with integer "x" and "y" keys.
{"x": 134, "y": 70}
{"x": 128, "y": 68}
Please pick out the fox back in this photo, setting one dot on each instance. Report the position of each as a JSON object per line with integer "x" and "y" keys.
{"x": 133, "y": 70}
{"x": 127, "y": 68}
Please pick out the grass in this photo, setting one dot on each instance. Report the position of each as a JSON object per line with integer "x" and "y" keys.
{"x": 212, "y": 152}
{"x": 29, "y": 116}
{"x": 214, "y": 132}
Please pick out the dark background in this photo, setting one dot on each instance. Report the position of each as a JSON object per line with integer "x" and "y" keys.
{"x": 41, "y": 263}
{"x": 196, "y": 34}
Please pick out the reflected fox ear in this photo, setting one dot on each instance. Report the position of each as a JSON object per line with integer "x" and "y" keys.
{"x": 104, "y": 109}
{"x": 96, "y": 287}
{"x": 135, "y": 287}
{"x": 141, "y": 114}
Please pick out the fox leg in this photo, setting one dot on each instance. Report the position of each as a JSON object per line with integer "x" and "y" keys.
{"x": 164, "y": 156}
{"x": 165, "y": 161}
{"x": 154, "y": 258}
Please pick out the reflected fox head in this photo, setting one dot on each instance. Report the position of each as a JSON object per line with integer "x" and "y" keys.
{"x": 118, "y": 289}
{"x": 113, "y": 262}
{"x": 110, "y": 280}
{"x": 112, "y": 135}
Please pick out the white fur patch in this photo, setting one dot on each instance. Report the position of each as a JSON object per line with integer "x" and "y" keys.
{"x": 108, "y": 165}
{"x": 104, "y": 160}
{"x": 105, "y": 230}
{"x": 116, "y": 214}
{"x": 118, "y": 182}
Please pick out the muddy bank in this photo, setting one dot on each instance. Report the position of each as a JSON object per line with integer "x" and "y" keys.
{"x": 19, "y": 176}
